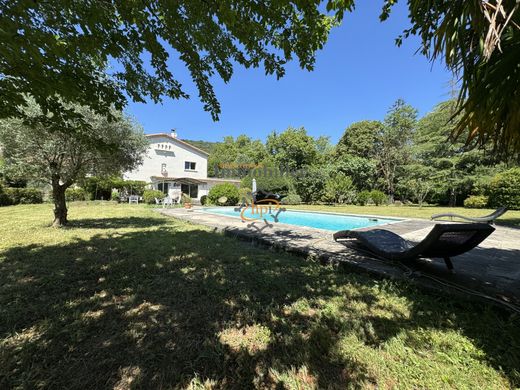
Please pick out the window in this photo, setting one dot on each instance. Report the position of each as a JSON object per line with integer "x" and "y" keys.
{"x": 163, "y": 187}
{"x": 163, "y": 168}
{"x": 189, "y": 166}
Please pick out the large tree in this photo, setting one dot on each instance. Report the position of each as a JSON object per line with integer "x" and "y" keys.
{"x": 99, "y": 53}
{"x": 60, "y": 159}
{"x": 293, "y": 148}
{"x": 480, "y": 42}
{"x": 393, "y": 149}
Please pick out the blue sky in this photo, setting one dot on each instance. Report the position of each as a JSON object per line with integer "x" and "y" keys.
{"x": 358, "y": 75}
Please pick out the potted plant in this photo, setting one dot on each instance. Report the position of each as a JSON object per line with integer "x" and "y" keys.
{"x": 186, "y": 201}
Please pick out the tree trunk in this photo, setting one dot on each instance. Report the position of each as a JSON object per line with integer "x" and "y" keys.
{"x": 60, "y": 206}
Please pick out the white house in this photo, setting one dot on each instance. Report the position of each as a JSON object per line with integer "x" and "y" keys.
{"x": 174, "y": 167}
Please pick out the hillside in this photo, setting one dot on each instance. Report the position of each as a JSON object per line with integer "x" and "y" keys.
{"x": 207, "y": 146}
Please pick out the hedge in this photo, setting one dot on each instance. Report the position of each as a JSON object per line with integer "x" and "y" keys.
{"x": 150, "y": 195}
{"x": 504, "y": 189}
{"x": 476, "y": 201}
{"x": 75, "y": 194}
{"x": 226, "y": 190}
{"x": 14, "y": 196}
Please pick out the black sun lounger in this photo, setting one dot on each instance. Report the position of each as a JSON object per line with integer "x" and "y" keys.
{"x": 444, "y": 241}
{"x": 487, "y": 218}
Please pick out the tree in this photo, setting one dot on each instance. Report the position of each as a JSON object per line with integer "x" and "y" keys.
{"x": 394, "y": 142}
{"x": 292, "y": 149}
{"x": 480, "y": 42}
{"x": 339, "y": 189}
{"x": 240, "y": 155}
{"x": 360, "y": 139}
{"x": 61, "y": 160}
{"x": 98, "y": 54}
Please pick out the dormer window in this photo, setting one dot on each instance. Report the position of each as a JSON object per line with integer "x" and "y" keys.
{"x": 189, "y": 166}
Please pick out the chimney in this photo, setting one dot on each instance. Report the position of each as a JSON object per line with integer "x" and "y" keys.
{"x": 174, "y": 133}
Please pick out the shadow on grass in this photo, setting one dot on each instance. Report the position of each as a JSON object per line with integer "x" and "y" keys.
{"x": 115, "y": 223}
{"x": 159, "y": 309}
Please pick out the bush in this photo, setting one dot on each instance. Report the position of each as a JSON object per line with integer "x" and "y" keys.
{"x": 75, "y": 194}
{"x": 227, "y": 190}
{"x": 185, "y": 198}
{"x": 12, "y": 196}
{"x": 204, "y": 200}
{"x": 476, "y": 201}
{"x": 292, "y": 199}
{"x": 115, "y": 196}
{"x": 245, "y": 195}
{"x": 378, "y": 197}
{"x": 5, "y": 200}
{"x": 270, "y": 179}
{"x": 363, "y": 197}
{"x": 504, "y": 189}
{"x": 150, "y": 195}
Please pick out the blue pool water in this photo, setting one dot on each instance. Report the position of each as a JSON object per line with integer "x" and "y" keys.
{"x": 333, "y": 222}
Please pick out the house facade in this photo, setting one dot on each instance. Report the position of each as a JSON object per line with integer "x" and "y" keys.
{"x": 174, "y": 166}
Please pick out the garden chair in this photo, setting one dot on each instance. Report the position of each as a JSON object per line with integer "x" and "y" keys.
{"x": 487, "y": 218}
{"x": 443, "y": 241}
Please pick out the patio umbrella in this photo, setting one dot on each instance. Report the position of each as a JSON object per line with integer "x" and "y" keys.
{"x": 253, "y": 189}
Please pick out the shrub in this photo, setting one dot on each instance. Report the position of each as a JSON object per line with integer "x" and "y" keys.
{"x": 150, "y": 195}
{"x": 363, "y": 197}
{"x": 115, "y": 196}
{"x": 339, "y": 189}
{"x": 12, "y": 196}
{"x": 227, "y": 190}
{"x": 476, "y": 201}
{"x": 245, "y": 195}
{"x": 203, "y": 200}
{"x": 504, "y": 189}
{"x": 292, "y": 199}
{"x": 5, "y": 200}
{"x": 185, "y": 198}
{"x": 378, "y": 197}
{"x": 75, "y": 194}
{"x": 275, "y": 183}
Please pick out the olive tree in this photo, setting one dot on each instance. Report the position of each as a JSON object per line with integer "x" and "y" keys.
{"x": 61, "y": 159}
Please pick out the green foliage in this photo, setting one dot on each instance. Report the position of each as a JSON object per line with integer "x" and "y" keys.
{"x": 360, "y": 139}
{"x": 378, "y": 197}
{"x": 363, "y": 198}
{"x": 339, "y": 189}
{"x": 478, "y": 41}
{"x": 115, "y": 196}
{"x": 310, "y": 183}
{"x": 292, "y": 149}
{"x": 236, "y": 157}
{"x": 185, "y": 198}
{"x": 476, "y": 201}
{"x": 292, "y": 198}
{"x": 268, "y": 179}
{"x": 150, "y": 195}
{"x": 14, "y": 196}
{"x": 362, "y": 171}
{"x": 245, "y": 195}
{"x": 504, "y": 189}
{"x": 227, "y": 190}
{"x": 393, "y": 144}
{"x": 75, "y": 194}
{"x": 204, "y": 200}
{"x": 101, "y": 187}
{"x": 80, "y": 41}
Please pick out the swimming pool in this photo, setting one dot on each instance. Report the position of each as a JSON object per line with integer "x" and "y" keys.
{"x": 326, "y": 221}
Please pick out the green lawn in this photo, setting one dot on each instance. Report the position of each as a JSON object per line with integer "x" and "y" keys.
{"x": 127, "y": 299}
{"x": 511, "y": 218}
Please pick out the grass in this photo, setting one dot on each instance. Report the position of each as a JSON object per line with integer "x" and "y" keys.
{"x": 510, "y": 218}
{"x": 127, "y": 299}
